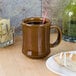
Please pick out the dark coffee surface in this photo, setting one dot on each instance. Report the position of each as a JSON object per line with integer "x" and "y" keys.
{"x": 36, "y": 23}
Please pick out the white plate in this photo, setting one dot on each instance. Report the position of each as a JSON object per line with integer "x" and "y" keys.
{"x": 58, "y": 69}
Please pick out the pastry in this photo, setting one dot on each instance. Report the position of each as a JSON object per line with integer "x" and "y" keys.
{"x": 67, "y": 59}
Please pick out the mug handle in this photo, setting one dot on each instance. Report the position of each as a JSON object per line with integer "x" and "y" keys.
{"x": 58, "y": 40}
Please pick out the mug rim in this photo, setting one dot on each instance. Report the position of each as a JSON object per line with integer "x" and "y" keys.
{"x": 30, "y": 19}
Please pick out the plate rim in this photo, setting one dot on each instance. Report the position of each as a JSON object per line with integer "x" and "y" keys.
{"x": 52, "y": 69}
{"x": 51, "y": 57}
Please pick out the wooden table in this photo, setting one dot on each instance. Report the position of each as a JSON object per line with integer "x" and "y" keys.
{"x": 14, "y": 63}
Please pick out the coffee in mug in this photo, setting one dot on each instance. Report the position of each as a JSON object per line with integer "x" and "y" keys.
{"x": 36, "y": 37}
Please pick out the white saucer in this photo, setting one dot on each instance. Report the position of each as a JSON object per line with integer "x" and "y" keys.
{"x": 58, "y": 69}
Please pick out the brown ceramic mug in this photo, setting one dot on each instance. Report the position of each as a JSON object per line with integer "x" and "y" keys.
{"x": 36, "y": 37}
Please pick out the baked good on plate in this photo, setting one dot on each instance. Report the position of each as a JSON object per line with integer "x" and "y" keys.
{"x": 67, "y": 59}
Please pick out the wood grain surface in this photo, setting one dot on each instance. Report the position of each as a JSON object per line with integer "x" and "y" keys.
{"x": 14, "y": 63}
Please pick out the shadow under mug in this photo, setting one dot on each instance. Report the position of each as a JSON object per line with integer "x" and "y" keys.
{"x": 36, "y": 37}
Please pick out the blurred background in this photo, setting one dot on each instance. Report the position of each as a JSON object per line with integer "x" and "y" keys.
{"x": 16, "y": 10}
